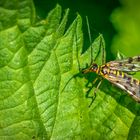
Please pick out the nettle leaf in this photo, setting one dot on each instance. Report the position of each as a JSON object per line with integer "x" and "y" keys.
{"x": 43, "y": 94}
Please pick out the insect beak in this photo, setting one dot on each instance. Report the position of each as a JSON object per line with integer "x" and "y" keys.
{"x": 85, "y": 70}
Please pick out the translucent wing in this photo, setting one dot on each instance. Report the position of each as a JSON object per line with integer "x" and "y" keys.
{"x": 126, "y": 83}
{"x": 131, "y": 64}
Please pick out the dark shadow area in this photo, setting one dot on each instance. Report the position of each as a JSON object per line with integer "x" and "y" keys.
{"x": 118, "y": 94}
{"x": 121, "y": 97}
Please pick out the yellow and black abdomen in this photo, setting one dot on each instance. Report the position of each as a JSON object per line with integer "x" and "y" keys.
{"x": 122, "y": 80}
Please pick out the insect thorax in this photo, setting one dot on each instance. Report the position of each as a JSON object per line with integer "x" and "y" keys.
{"x": 104, "y": 70}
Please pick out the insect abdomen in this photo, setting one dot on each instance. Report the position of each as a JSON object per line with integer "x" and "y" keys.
{"x": 122, "y": 80}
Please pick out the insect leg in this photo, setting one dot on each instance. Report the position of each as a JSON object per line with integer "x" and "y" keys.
{"x": 97, "y": 87}
{"x": 94, "y": 93}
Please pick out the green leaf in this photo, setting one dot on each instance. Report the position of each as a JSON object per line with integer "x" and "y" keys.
{"x": 42, "y": 90}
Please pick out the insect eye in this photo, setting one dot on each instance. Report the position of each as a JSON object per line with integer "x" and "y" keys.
{"x": 94, "y": 66}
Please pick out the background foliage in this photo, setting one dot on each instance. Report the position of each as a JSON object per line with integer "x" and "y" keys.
{"x": 94, "y": 9}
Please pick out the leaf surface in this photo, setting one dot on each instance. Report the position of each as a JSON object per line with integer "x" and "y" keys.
{"x": 42, "y": 90}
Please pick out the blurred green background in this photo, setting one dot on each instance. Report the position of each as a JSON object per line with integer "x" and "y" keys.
{"x": 118, "y": 21}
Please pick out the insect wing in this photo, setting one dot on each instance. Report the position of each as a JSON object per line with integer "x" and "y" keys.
{"x": 126, "y": 83}
{"x": 131, "y": 64}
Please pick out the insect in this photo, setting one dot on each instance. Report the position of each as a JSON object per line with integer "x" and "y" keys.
{"x": 117, "y": 72}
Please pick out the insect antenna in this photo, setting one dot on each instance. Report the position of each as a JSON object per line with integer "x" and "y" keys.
{"x": 91, "y": 59}
{"x": 89, "y": 35}
{"x": 103, "y": 50}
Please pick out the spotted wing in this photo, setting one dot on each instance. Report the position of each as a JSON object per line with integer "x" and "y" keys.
{"x": 131, "y": 64}
{"x": 126, "y": 83}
